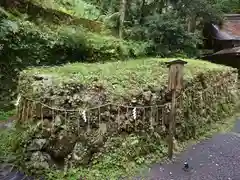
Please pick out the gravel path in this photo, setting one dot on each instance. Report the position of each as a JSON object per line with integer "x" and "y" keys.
{"x": 215, "y": 159}
{"x": 8, "y": 172}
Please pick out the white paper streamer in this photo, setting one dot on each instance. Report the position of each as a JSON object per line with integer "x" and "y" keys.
{"x": 76, "y": 157}
{"x": 84, "y": 116}
{"x": 18, "y": 100}
{"x": 134, "y": 114}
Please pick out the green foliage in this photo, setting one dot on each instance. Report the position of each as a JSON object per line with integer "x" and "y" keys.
{"x": 229, "y": 6}
{"x": 110, "y": 48}
{"x": 67, "y": 43}
{"x": 146, "y": 19}
{"x": 77, "y": 8}
{"x": 171, "y": 27}
{"x": 7, "y": 138}
{"x": 114, "y": 163}
{"x": 10, "y": 146}
{"x": 24, "y": 44}
{"x": 167, "y": 36}
{"x": 84, "y": 9}
{"x": 211, "y": 108}
{"x": 21, "y": 37}
{"x": 5, "y": 115}
{"x": 203, "y": 10}
{"x": 124, "y": 157}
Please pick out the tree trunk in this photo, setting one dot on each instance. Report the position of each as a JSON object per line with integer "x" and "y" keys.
{"x": 122, "y": 18}
{"x": 142, "y": 12}
{"x": 192, "y": 24}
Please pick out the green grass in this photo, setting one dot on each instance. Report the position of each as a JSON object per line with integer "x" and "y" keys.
{"x": 6, "y": 143}
{"x": 5, "y": 115}
{"x": 126, "y": 77}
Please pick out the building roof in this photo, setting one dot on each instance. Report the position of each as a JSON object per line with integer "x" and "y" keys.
{"x": 231, "y": 25}
{"x": 235, "y": 50}
{"x": 218, "y": 33}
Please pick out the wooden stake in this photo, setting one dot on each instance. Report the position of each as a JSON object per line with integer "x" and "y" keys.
{"x": 171, "y": 125}
{"x": 175, "y": 83}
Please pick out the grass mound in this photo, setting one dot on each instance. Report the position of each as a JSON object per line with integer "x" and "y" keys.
{"x": 210, "y": 92}
{"x": 112, "y": 137}
{"x": 120, "y": 80}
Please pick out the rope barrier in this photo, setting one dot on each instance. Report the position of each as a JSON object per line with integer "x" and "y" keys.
{"x": 134, "y": 108}
{"x": 205, "y": 90}
{"x": 96, "y": 107}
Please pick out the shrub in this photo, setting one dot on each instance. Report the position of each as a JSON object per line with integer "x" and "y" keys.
{"x": 166, "y": 35}
{"x": 110, "y": 48}
{"x": 4, "y": 115}
{"x": 27, "y": 44}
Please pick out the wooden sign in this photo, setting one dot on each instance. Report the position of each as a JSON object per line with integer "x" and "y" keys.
{"x": 175, "y": 77}
{"x": 175, "y": 83}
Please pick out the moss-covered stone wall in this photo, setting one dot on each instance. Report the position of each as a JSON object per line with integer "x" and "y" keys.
{"x": 66, "y": 136}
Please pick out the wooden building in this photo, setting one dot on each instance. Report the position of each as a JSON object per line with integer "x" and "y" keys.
{"x": 225, "y": 36}
{"x": 224, "y": 40}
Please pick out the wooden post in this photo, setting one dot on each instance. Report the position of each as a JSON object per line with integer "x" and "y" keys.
{"x": 175, "y": 83}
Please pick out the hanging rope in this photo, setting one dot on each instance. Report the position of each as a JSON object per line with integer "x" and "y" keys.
{"x": 18, "y": 100}
{"x": 135, "y": 113}
{"x": 84, "y": 116}
{"x": 22, "y": 100}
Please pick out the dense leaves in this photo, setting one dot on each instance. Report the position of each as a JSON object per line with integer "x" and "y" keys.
{"x": 167, "y": 36}
{"x": 229, "y": 6}
{"x": 24, "y": 44}
{"x": 77, "y": 8}
{"x": 165, "y": 20}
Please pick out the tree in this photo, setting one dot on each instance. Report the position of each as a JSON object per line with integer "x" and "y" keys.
{"x": 122, "y": 18}
{"x": 139, "y": 19}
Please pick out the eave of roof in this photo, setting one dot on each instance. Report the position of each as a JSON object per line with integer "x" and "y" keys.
{"x": 235, "y": 50}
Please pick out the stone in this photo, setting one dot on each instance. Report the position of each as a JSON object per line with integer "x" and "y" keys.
{"x": 80, "y": 154}
{"x": 61, "y": 144}
{"x": 46, "y": 132}
{"x": 37, "y": 145}
{"x": 103, "y": 128}
{"x": 154, "y": 97}
{"x": 134, "y": 100}
{"x": 40, "y": 160}
{"x": 147, "y": 96}
{"x": 47, "y": 123}
{"x": 96, "y": 140}
{"x": 57, "y": 121}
